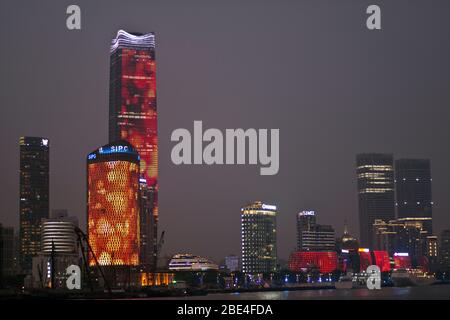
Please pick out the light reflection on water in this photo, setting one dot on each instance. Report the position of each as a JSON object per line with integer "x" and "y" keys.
{"x": 427, "y": 292}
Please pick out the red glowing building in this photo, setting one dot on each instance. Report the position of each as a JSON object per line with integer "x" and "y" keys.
{"x": 382, "y": 260}
{"x": 133, "y": 118}
{"x": 113, "y": 205}
{"x": 325, "y": 261}
{"x": 402, "y": 261}
{"x": 377, "y": 257}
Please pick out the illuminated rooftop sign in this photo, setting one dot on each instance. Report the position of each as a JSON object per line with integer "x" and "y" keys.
{"x": 307, "y": 213}
{"x": 121, "y": 147}
{"x": 401, "y": 254}
{"x": 269, "y": 207}
{"x": 114, "y": 149}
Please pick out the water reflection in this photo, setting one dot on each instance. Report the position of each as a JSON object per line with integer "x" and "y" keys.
{"x": 427, "y": 292}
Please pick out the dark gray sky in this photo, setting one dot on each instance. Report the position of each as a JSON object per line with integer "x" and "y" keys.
{"x": 309, "y": 68}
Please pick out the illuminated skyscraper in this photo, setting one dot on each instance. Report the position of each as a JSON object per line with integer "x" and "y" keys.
{"x": 312, "y": 236}
{"x": 413, "y": 189}
{"x": 113, "y": 204}
{"x": 375, "y": 174}
{"x": 133, "y": 114}
{"x": 259, "y": 238}
{"x": 34, "y": 196}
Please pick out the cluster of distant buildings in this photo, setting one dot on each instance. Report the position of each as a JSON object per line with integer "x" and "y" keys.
{"x": 395, "y": 217}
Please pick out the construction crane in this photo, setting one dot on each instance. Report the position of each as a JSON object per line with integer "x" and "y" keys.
{"x": 158, "y": 247}
{"x": 85, "y": 248}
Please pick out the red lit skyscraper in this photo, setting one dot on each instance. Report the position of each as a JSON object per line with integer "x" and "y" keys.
{"x": 133, "y": 118}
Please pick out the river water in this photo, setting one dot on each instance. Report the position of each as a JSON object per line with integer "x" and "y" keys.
{"x": 425, "y": 292}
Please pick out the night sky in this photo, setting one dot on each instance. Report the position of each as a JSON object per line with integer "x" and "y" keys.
{"x": 310, "y": 68}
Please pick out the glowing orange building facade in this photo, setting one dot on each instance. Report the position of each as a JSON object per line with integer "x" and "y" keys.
{"x": 133, "y": 118}
{"x": 113, "y": 204}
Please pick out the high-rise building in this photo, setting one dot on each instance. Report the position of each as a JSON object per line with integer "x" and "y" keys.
{"x": 6, "y": 251}
{"x": 312, "y": 236}
{"x": 375, "y": 174}
{"x": 133, "y": 118}
{"x": 259, "y": 238}
{"x": 404, "y": 235}
{"x": 113, "y": 204}
{"x": 413, "y": 189}
{"x": 34, "y": 196}
{"x": 148, "y": 226}
{"x": 445, "y": 249}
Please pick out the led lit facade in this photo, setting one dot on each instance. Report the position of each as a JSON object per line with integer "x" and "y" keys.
{"x": 34, "y": 196}
{"x": 402, "y": 260}
{"x": 382, "y": 260}
{"x": 376, "y": 199}
{"x": 325, "y": 262}
{"x": 6, "y": 251}
{"x": 259, "y": 238}
{"x": 133, "y": 118}
{"x": 113, "y": 204}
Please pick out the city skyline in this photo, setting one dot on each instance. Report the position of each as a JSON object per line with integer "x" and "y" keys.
{"x": 316, "y": 170}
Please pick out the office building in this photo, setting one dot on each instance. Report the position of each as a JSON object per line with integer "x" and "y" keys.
{"x": 445, "y": 249}
{"x": 113, "y": 204}
{"x": 259, "y": 238}
{"x": 375, "y": 184}
{"x": 148, "y": 227}
{"x": 133, "y": 118}
{"x": 403, "y": 235}
{"x": 312, "y": 236}
{"x": 413, "y": 189}
{"x": 34, "y": 196}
